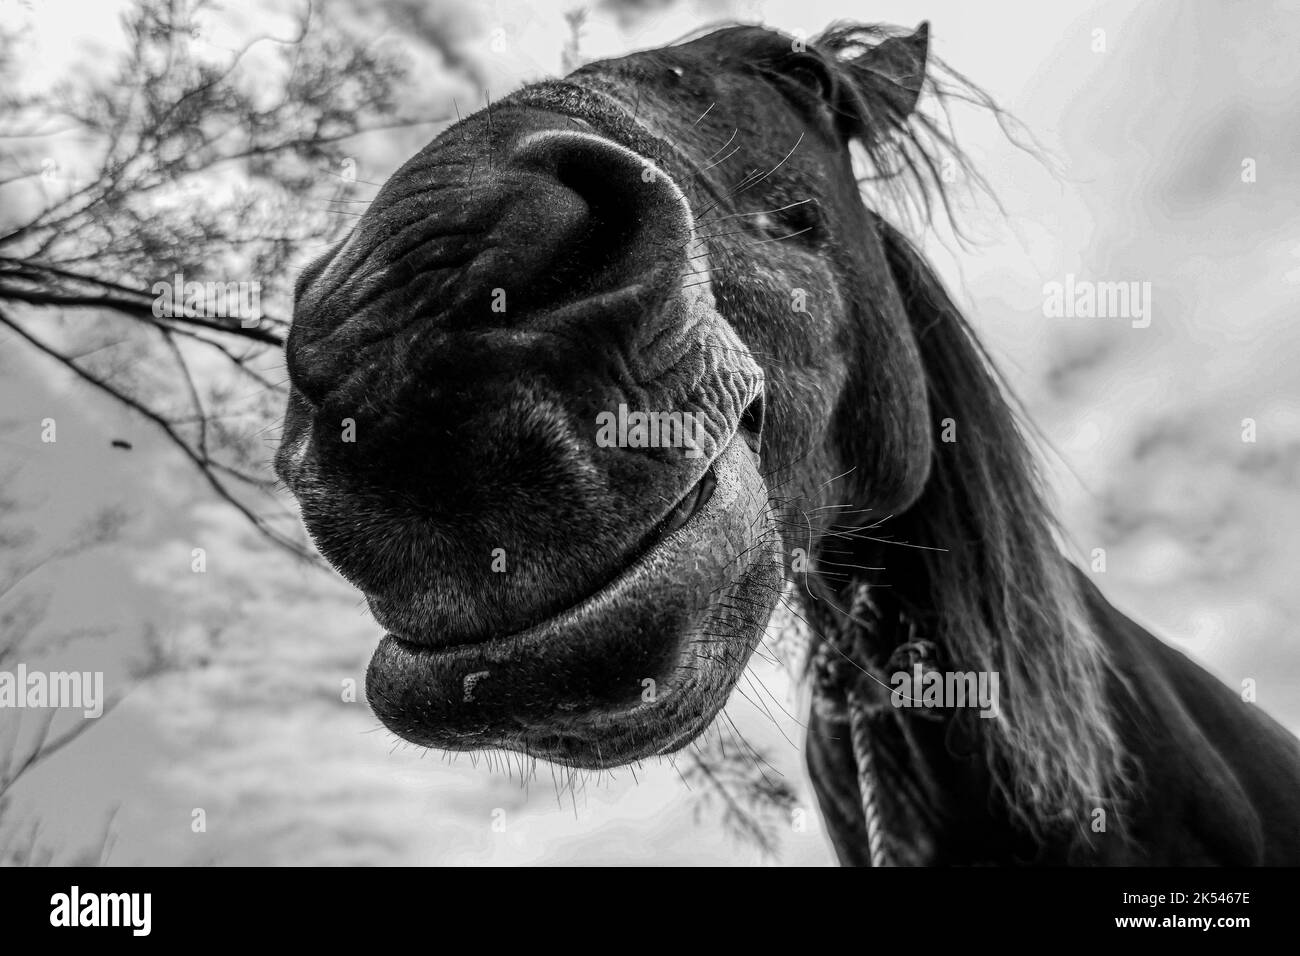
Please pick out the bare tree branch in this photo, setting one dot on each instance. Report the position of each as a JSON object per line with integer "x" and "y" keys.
{"x": 207, "y": 174}
{"x": 205, "y": 465}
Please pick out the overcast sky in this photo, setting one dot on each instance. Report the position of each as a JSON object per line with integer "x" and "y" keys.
{"x": 1144, "y": 141}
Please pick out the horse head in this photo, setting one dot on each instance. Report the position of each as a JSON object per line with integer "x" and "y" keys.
{"x": 607, "y": 364}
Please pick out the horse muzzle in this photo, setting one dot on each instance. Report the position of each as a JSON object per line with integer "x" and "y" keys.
{"x": 637, "y": 668}
{"x": 454, "y": 367}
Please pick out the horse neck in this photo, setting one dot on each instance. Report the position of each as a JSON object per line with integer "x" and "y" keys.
{"x": 939, "y": 779}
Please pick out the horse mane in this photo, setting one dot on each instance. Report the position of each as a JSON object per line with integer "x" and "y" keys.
{"x": 989, "y": 577}
{"x": 1000, "y": 594}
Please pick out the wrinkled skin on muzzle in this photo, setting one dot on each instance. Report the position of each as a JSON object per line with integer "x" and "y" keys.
{"x": 551, "y": 579}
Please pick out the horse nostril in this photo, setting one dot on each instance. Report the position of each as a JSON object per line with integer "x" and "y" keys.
{"x": 638, "y": 220}
{"x": 565, "y": 228}
{"x": 592, "y": 166}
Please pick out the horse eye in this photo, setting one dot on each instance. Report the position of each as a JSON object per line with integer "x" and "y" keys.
{"x": 810, "y": 72}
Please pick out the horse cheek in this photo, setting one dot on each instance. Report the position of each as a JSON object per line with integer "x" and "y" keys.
{"x": 883, "y": 418}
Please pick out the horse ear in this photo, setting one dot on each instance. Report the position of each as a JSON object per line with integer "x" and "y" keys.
{"x": 899, "y": 65}
{"x": 883, "y": 80}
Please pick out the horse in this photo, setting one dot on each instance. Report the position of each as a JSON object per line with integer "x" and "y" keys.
{"x": 618, "y": 363}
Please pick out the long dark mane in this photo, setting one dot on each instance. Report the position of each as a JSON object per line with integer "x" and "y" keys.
{"x": 990, "y": 576}
{"x": 1002, "y": 596}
